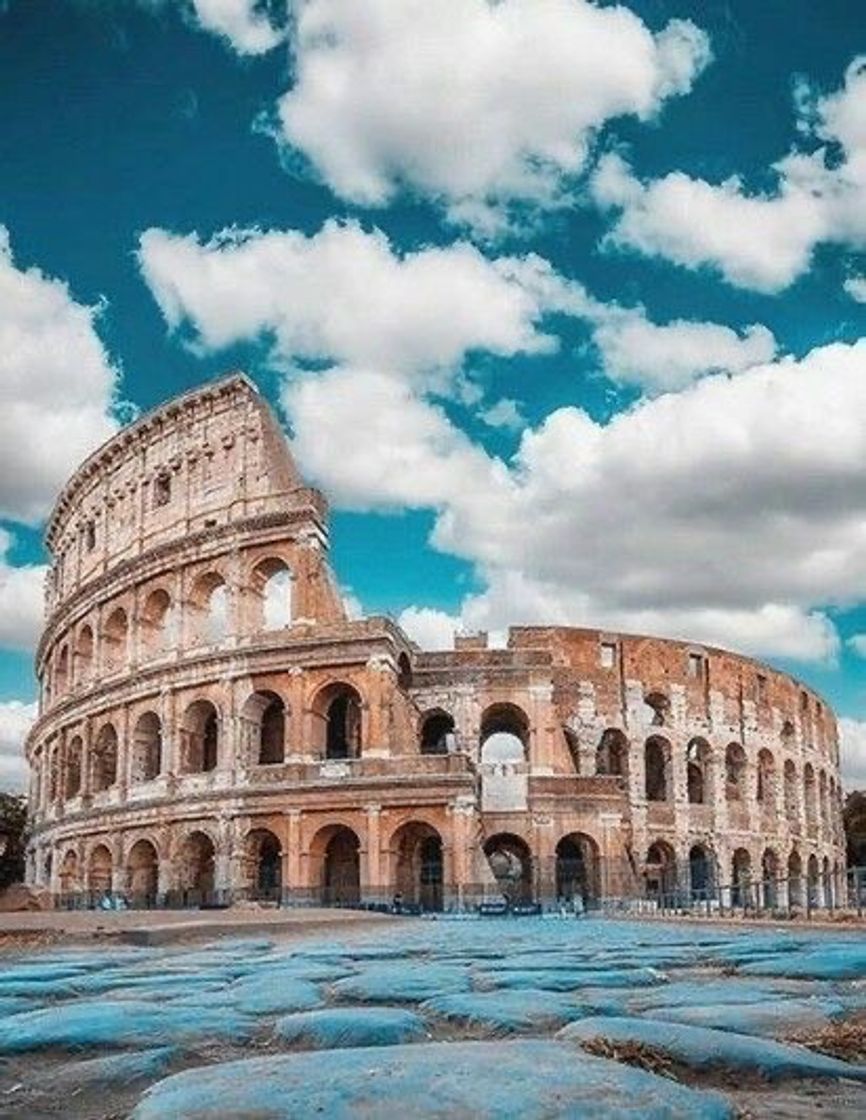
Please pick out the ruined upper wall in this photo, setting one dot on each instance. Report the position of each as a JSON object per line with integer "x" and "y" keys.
{"x": 207, "y": 458}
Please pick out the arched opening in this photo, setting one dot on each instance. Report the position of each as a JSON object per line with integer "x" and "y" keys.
{"x": 822, "y": 800}
{"x": 770, "y": 878}
{"x": 99, "y": 871}
{"x": 265, "y": 716}
{"x": 792, "y": 799}
{"x": 70, "y": 880}
{"x": 209, "y": 609}
{"x": 657, "y": 758}
{"x": 338, "y": 708}
{"x": 660, "y": 706}
{"x": 55, "y": 774}
{"x": 143, "y": 873}
{"x": 701, "y": 876}
{"x": 72, "y": 777}
{"x": 827, "y": 883}
{"x": 813, "y": 884}
{"x": 146, "y": 748}
{"x": 810, "y": 792}
{"x": 741, "y": 878}
{"x": 83, "y": 667}
{"x": 272, "y": 586}
{"x": 611, "y": 756}
{"x": 661, "y": 872}
{"x": 404, "y": 672}
{"x": 115, "y": 639}
{"x": 698, "y": 762}
{"x": 505, "y": 720}
{"x": 416, "y": 850}
{"x": 577, "y": 869}
{"x": 735, "y": 772}
{"x": 103, "y": 762}
{"x": 766, "y": 785}
{"x": 572, "y": 743}
{"x": 437, "y": 733}
{"x": 265, "y": 861}
{"x": 61, "y": 678}
{"x": 510, "y": 861}
{"x": 199, "y": 738}
{"x": 196, "y": 868}
{"x": 795, "y": 879}
{"x": 341, "y": 866}
{"x": 157, "y": 623}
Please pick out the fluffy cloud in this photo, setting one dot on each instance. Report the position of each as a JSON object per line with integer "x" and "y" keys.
{"x": 855, "y": 286}
{"x": 758, "y": 241}
{"x": 431, "y": 629}
{"x": 21, "y": 600}
{"x": 15, "y": 720}
{"x": 244, "y": 24}
{"x": 379, "y": 105}
{"x": 852, "y": 736}
{"x": 346, "y": 296}
{"x": 57, "y": 386}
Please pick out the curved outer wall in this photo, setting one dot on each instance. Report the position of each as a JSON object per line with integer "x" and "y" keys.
{"x": 212, "y": 722}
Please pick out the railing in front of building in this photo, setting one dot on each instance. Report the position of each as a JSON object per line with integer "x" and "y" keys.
{"x": 777, "y": 898}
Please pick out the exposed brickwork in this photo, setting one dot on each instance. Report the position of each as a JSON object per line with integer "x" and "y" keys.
{"x": 207, "y": 708}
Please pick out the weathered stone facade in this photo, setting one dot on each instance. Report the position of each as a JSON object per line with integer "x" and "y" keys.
{"x": 212, "y": 721}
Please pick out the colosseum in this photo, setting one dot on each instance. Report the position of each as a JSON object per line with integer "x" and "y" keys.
{"x": 214, "y": 727}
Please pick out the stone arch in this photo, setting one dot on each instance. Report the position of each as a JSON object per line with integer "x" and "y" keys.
{"x": 264, "y": 714}
{"x": 823, "y": 811}
{"x": 199, "y": 736}
{"x": 70, "y": 874}
{"x": 335, "y": 854}
{"x": 699, "y": 771}
{"x": 735, "y": 772}
{"x": 810, "y": 797}
{"x": 766, "y": 784}
{"x": 337, "y": 719}
{"x": 770, "y": 877}
{"x": 210, "y": 609}
{"x": 99, "y": 868}
{"x": 83, "y": 658}
{"x": 792, "y": 792}
{"x": 142, "y": 871}
{"x": 578, "y": 869}
{"x": 741, "y": 877}
{"x": 62, "y": 674}
{"x": 417, "y": 858}
{"x": 157, "y": 623}
{"x": 404, "y": 671}
{"x": 828, "y": 882}
{"x": 510, "y": 861}
{"x": 271, "y": 584}
{"x": 103, "y": 759}
{"x": 660, "y": 706}
{"x": 72, "y": 769}
{"x": 264, "y": 860}
{"x": 115, "y": 641}
{"x": 196, "y": 864}
{"x": 572, "y": 743}
{"x": 701, "y": 873}
{"x": 611, "y": 755}
{"x": 505, "y": 719}
{"x": 813, "y": 881}
{"x": 660, "y": 871}
{"x": 657, "y": 768}
{"x": 795, "y": 879}
{"x": 437, "y": 732}
{"x": 146, "y": 748}
{"x": 55, "y": 773}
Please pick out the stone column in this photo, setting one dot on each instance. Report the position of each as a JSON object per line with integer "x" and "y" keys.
{"x": 371, "y": 870}
{"x": 293, "y": 876}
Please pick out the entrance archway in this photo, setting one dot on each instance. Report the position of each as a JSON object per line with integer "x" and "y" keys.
{"x": 510, "y": 861}
{"x": 700, "y": 873}
{"x": 197, "y": 863}
{"x": 661, "y": 871}
{"x": 99, "y": 871}
{"x": 416, "y": 849}
{"x": 339, "y": 850}
{"x": 143, "y": 873}
{"x": 577, "y": 869}
{"x": 264, "y": 862}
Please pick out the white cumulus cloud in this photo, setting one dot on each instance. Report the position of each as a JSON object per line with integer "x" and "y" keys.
{"x": 57, "y": 386}
{"x": 16, "y": 718}
{"x": 757, "y": 240}
{"x": 474, "y": 103}
{"x": 852, "y": 745}
{"x": 244, "y": 24}
{"x": 21, "y": 600}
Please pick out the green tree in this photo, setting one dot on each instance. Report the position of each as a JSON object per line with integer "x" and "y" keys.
{"x": 13, "y": 838}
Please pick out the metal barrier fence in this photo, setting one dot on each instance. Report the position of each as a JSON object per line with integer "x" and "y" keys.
{"x": 778, "y": 897}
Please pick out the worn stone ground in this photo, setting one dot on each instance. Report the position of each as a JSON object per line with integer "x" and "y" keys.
{"x": 374, "y": 1016}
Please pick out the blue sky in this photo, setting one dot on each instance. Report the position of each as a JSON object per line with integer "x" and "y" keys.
{"x": 560, "y": 302}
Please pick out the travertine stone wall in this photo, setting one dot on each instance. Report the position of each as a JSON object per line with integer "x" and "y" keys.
{"x": 212, "y": 720}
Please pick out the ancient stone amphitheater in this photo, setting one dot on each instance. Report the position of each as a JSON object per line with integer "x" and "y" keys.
{"x": 214, "y": 726}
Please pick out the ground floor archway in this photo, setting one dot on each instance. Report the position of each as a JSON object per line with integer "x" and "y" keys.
{"x": 578, "y": 869}
{"x": 510, "y": 861}
{"x": 337, "y": 852}
{"x": 418, "y": 865}
{"x": 142, "y": 869}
